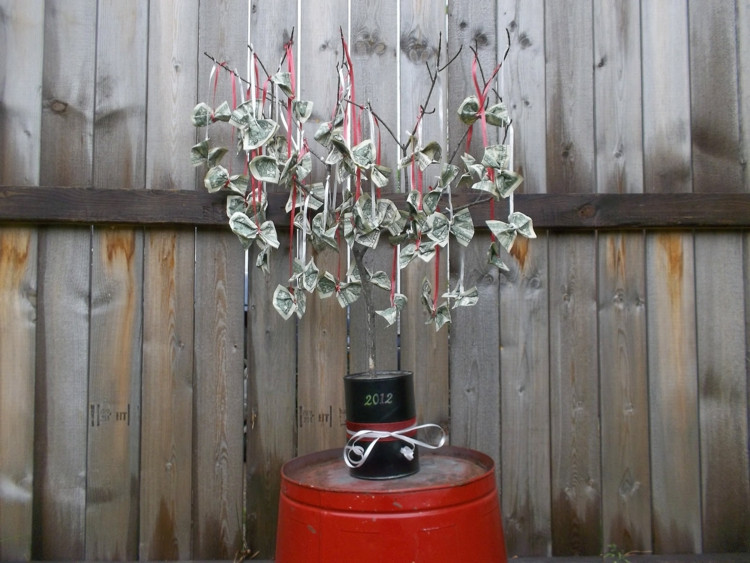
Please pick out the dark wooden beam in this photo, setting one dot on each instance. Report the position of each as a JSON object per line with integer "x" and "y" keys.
{"x": 67, "y": 205}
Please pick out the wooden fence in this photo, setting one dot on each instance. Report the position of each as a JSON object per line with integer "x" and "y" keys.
{"x": 608, "y": 375}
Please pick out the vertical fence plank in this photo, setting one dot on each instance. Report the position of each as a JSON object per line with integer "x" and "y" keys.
{"x": 21, "y": 38}
{"x": 322, "y": 331}
{"x": 576, "y": 479}
{"x": 475, "y": 355}
{"x": 617, "y": 59}
{"x": 525, "y": 393}
{"x": 715, "y": 108}
{"x": 373, "y": 47}
{"x": 524, "y": 346}
{"x": 471, "y": 28}
{"x": 524, "y": 87}
{"x": 666, "y": 97}
{"x": 18, "y": 310}
{"x": 219, "y": 401}
{"x": 673, "y": 401}
{"x": 271, "y": 341}
{"x": 474, "y": 352}
{"x": 271, "y": 397}
{"x": 167, "y": 396}
{"x": 168, "y": 274}
{"x": 670, "y": 291}
{"x": 743, "y": 72}
{"x": 117, "y": 260}
{"x": 63, "y": 339}
{"x": 622, "y": 320}
{"x": 219, "y": 325}
{"x": 570, "y": 95}
{"x": 626, "y": 490}
{"x": 722, "y": 383}
{"x": 423, "y": 351}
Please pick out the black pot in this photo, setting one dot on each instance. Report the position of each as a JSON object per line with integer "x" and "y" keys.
{"x": 376, "y": 403}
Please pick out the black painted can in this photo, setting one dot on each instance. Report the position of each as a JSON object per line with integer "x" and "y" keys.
{"x": 382, "y": 401}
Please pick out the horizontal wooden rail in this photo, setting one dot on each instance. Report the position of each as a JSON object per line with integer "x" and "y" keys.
{"x": 581, "y": 211}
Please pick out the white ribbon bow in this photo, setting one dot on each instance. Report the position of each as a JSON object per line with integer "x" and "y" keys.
{"x": 355, "y": 454}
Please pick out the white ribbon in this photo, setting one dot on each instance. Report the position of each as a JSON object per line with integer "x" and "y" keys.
{"x": 355, "y": 454}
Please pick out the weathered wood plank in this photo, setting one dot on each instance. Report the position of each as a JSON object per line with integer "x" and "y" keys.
{"x": 219, "y": 391}
{"x": 271, "y": 401}
{"x": 626, "y": 482}
{"x": 673, "y": 393}
{"x": 471, "y": 28}
{"x": 116, "y": 277}
{"x": 271, "y": 341}
{"x": 373, "y": 46}
{"x": 570, "y": 95}
{"x": 63, "y": 344}
{"x": 219, "y": 325}
{"x": 322, "y": 331}
{"x": 579, "y": 211}
{"x": 666, "y": 97}
{"x": 18, "y": 309}
{"x": 167, "y": 396}
{"x": 523, "y": 79}
{"x": 60, "y": 409}
{"x": 525, "y": 394}
{"x": 21, "y": 37}
{"x": 423, "y": 351}
{"x": 574, "y": 396}
{"x": 617, "y": 83}
{"x": 743, "y": 73}
{"x": 715, "y": 108}
{"x": 168, "y": 281}
{"x": 475, "y": 354}
{"x": 723, "y": 387}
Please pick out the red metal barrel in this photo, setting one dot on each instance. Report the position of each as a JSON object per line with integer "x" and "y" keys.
{"x": 449, "y": 511}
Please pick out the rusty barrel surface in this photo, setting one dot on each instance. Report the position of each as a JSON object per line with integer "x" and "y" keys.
{"x": 447, "y": 511}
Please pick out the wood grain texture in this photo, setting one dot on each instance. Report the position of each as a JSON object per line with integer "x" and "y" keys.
{"x": 165, "y": 530}
{"x": 322, "y": 331}
{"x": 617, "y": 84}
{"x": 219, "y": 328}
{"x": 117, "y": 273}
{"x": 471, "y": 28}
{"x": 475, "y": 355}
{"x": 574, "y": 394}
{"x": 374, "y": 44}
{"x": 578, "y": 211}
{"x": 423, "y": 351}
{"x": 219, "y": 385}
{"x": 626, "y": 482}
{"x": 715, "y": 108}
{"x": 172, "y": 93}
{"x": 569, "y": 94}
{"x": 722, "y": 392}
{"x": 666, "y": 97}
{"x": 168, "y": 280}
{"x": 21, "y": 37}
{"x": 525, "y": 394}
{"x": 743, "y": 74}
{"x": 271, "y": 401}
{"x": 673, "y": 393}
{"x": 60, "y": 409}
{"x": 18, "y": 309}
{"x": 524, "y": 88}
{"x": 271, "y": 341}
{"x": 63, "y": 344}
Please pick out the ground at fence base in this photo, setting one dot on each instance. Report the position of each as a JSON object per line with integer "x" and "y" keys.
{"x": 449, "y": 511}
